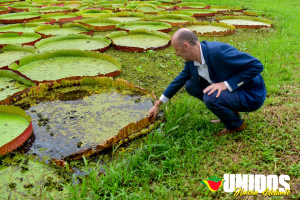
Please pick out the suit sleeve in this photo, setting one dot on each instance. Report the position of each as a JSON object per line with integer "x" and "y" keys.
{"x": 177, "y": 83}
{"x": 245, "y": 66}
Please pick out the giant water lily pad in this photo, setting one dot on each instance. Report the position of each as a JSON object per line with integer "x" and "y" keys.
{"x": 15, "y": 38}
{"x": 246, "y": 22}
{"x": 192, "y": 5}
{"x": 177, "y": 13}
{"x": 124, "y": 16}
{"x": 100, "y": 24}
{"x": 25, "y": 177}
{"x": 74, "y": 41}
{"x": 53, "y": 9}
{"x": 157, "y": 26}
{"x": 86, "y": 113}
{"x": 66, "y": 29}
{"x": 12, "y": 53}
{"x": 201, "y": 12}
{"x": 61, "y": 64}
{"x": 139, "y": 40}
{"x": 62, "y": 17}
{"x": 15, "y": 126}
{"x": 13, "y": 18}
{"x": 19, "y": 28}
{"x": 93, "y": 13}
{"x": 219, "y": 8}
{"x": 173, "y": 19}
{"x": 23, "y": 7}
{"x": 210, "y": 29}
{"x": 148, "y": 8}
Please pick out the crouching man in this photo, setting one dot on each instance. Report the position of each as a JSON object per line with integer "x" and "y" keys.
{"x": 226, "y": 80}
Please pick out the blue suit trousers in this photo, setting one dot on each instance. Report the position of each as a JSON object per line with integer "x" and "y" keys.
{"x": 225, "y": 107}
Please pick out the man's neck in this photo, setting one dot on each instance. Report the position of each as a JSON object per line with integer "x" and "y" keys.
{"x": 196, "y": 53}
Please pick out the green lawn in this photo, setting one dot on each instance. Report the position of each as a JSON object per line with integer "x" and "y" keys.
{"x": 172, "y": 160}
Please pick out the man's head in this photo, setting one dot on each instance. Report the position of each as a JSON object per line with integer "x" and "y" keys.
{"x": 184, "y": 42}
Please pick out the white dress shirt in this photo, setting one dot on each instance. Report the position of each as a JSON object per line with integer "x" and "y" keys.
{"x": 203, "y": 72}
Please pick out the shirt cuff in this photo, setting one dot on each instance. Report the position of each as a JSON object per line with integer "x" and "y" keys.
{"x": 228, "y": 86}
{"x": 163, "y": 98}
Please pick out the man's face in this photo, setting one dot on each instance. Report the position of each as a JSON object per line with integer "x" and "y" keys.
{"x": 181, "y": 50}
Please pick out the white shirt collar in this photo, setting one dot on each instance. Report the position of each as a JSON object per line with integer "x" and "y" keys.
{"x": 202, "y": 59}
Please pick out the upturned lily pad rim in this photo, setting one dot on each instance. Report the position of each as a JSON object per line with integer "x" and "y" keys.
{"x": 127, "y": 133}
{"x": 21, "y": 19}
{"x": 99, "y": 28}
{"x": 168, "y": 27}
{"x": 229, "y": 31}
{"x": 71, "y": 17}
{"x": 169, "y": 16}
{"x": 17, "y": 76}
{"x": 88, "y": 30}
{"x": 64, "y": 53}
{"x": 18, "y": 47}
{"x": 186, "y": 4}
{"x": 178, "y": 12}
{"x": 17, "y": 25}
{"x": 248, "y": 18}
{"x": 3, "y": 8}
{"x": 75, "y": 37}
{"x": 37, "y": 36}
{"x": 139, "y": 31}
{"x": 18, "y": 141}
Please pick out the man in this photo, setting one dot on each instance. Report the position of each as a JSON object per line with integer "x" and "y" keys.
{"x": 226, "y": 80}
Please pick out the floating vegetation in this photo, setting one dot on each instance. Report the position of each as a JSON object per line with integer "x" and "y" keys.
{"x": 74, "y": 41}
{"x": 76, "y": 118}
{"x": 246, "y": 22}
{"x": 53, "y": 9}
{"x": 60, "y": 64}
{"x": 16, "y": 128}
{"x": 93, "y": 13}
{"x": 174, "y": 20}
{"x": 254, "y": 13}
{"x": 148, "y": 8}
{"x": 4, "y": 10}
{"x": 139, "y": 40}
{"x": 25, "y": 176}
{"x": 192, "y": 5}
{"x": 66, "y": 29}
{"x": 220, "y": 9}
{"x": 100, "y": 24}
{"x": 125, "y": 16}
{"x": 177, "y": 13}
{"x": 19, "y": 28}
{"x": 201, "y": 12}
{"x": 210, "y": 29}
{"x": 15, "y": 38}
{"x": 61, "y": 17}
{"x": 156, "y": 26}
{"x": 13, "y": 18}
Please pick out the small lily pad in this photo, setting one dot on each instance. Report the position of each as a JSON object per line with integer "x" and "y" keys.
{"x": 246, "y": 22}
{"x": 156, "y": 26}
{"x": 210, "y": 29}
{"x": 99, "y": 24}
{"x": 173, "y": 19}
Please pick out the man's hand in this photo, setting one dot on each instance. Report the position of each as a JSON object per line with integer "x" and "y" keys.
{"x": 154, "y": 110}
{"x": 216, "y": 86}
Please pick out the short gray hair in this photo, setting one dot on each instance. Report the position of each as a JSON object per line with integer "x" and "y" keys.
{"x": 185, "y": 35}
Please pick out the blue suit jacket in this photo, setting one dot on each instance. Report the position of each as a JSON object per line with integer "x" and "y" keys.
{"x": 226, "y": 63}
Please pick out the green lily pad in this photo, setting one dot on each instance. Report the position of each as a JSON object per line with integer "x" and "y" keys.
{"x": 177, "y": 13}
{"x": 148, "y": 8}
{"x": 66, "y": 29}
{"x": 19, "y": 28}
{"x": 60, "y": 64}
{"x": 73, "y": 41}
{"x": 18, "y": 17}
{"x": 210, "y": 29}
{"x": 16, "y": 128}
{"x": 62, "y": 16}
{"x": 157, "y": 26}
{"x": 51, "y": 9}
{"x": 245, "y": 21}
{"x": 192, "y": 5}
{"x": 139, "y": 40}
{"x": 93, "y": 13}
{"x": 15, "y": 38}
{"x": 12, "y": 53}
{"x": 100, "y": 24}
{"x": 10, "y": 83}
{"x": 173, "y": 19}
{"x": 23, "y": 177}
{"x": 124, "y": 16}
{"x": 219, "y": 8}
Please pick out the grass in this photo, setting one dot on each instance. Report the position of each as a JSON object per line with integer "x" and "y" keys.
{"x": 173, "y": 159}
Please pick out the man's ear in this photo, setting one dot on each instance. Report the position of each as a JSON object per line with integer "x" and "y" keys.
{"x": 186, "y": 46}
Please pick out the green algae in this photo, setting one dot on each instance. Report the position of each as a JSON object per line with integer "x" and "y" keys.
{"x": 82, "y": 115}
{"x": 23, "y": 177}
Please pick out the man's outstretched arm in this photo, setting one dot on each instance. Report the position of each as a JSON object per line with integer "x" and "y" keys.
{"x": 154, "y": 110}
